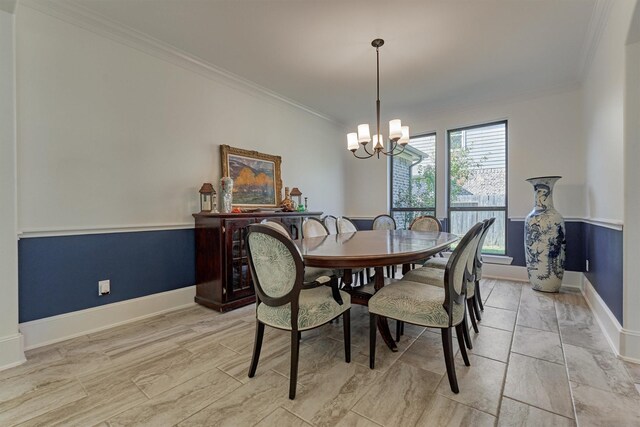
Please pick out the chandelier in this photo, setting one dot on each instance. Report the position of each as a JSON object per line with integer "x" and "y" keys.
{"x": 398, "y": 134}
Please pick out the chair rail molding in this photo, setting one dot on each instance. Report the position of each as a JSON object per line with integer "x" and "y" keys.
{"x": 76, "y": 14}
{"x": 614, "y": 224}
{"x": 100, "y": 229}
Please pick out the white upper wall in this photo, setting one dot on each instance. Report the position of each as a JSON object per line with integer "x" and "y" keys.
{"x": 603, "y": 109}
{"x": 545, "y": 138}
{"x": 111, "y": 136}
{"x": 10, "y": 340}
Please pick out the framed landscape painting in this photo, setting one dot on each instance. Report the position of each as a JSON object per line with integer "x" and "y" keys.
{"x": 256, "y": 177}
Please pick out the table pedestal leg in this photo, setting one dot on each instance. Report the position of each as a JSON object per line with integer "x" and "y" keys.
{"x": 383, "y": 326}
{"x": 347, "y": 279}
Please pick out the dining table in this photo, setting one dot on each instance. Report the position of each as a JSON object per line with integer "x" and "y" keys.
{"x": 372, "y": 249}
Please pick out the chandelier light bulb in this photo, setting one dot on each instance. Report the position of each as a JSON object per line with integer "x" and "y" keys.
{"x": 352, "y": 141}
{"x": 364, "y": 135}
{"x": 395, "y": 129}
{"x": 404, "y": 139}
{"x": 377, "y": 142}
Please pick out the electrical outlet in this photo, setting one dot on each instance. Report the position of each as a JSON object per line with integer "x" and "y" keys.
{"x": 104, "y": 287}
{"x": 587, "y": 266}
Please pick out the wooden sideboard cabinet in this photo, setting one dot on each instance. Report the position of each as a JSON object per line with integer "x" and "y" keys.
{"x": 223, "y": 279}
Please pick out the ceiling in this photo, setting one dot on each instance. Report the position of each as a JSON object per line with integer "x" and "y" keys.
{"x": 438, "y": 54}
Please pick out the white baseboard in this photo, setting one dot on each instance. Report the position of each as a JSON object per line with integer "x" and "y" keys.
{"x": 571, "y": 280}
{"x": 625, "y": 343}
{"x": 53, "y": 329}
{"x": 11, "y": 351}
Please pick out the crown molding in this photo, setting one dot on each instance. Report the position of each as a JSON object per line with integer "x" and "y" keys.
{"x": 597, "y": 23}
{"x": 80, "y": 16}
{"x": 8, "y": 6}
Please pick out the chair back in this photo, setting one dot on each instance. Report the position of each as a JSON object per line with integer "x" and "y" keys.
{"x": 384, "y": 222}
{"x": 277, "y": 268}
{"x": 478, "y": 258}
{"x": 345, "y": 225}
{"x": 426, "y": 223}
{"x": 313, "y": 227}
{"x": 278, "y": 226}
{"x": 331, "y": 222}
{"x": 471, "y": 273}
{"x": 456, "y": 273}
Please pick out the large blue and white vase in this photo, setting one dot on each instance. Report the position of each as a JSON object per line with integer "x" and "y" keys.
{"x": 544, "y": 238}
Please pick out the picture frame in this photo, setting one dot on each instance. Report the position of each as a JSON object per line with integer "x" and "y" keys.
{"x": 257, "y": 179}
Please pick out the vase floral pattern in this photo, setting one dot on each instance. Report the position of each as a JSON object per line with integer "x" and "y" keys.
{"x": 544, "y": 238}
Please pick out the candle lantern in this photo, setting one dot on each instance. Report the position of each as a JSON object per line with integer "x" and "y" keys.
{"x": 295, "y": 192}
{"x": 207, "y": 198}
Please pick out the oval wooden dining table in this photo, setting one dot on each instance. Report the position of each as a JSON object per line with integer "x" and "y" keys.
{"x": 372, "y": 249}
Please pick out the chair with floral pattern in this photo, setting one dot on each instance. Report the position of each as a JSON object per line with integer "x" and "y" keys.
{"x": 310, "y": 273}
{"x": 331, "y": 222}
{"x": 283, "y": 299}
{"x": 434, "y": 276}
{"x": 431, "y": 306}
{"x": 385, "y": 222}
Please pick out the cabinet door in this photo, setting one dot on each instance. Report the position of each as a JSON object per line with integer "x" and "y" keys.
{"x": 294, "y": 225}
{"x": 238, "y": 283}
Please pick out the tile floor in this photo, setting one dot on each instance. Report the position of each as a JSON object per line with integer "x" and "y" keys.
{"x": 539, "y": 360}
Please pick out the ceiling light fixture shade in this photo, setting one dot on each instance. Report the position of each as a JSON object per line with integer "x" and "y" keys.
{"x": 398, "y": 134}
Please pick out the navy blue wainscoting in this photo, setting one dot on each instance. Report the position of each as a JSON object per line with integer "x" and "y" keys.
{"x": 603, "y": 249}
{"x": 575, "y": 244}
{"x": 60, "y": 274}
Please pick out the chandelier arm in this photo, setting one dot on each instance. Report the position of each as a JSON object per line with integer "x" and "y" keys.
{"x": 364, "y": 147}
{"x": 362, "y": 157}
{"x": 390, "y": 153}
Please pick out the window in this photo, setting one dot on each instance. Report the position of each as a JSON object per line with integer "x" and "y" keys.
{"x": 477, "y": 176}
{"x": 413, "y": 180}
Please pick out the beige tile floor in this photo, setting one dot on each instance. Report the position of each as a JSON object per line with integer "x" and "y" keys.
{"x": 539, "y": 360}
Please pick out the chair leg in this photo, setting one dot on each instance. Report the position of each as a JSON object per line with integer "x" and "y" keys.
{"x": 372, "y": 340}
{"x": 463, "y": 348}
{"x": 477, "y": 293}
{"x": 299, "y": 336}
{"x": 476, "y": 307}
{"x": 293, "y": 374}
{"x": 362, "y": 278}
{"x": 465, "y": 333}
{"x": 393, "y": 271}
{"x": 257, "y": 346}
{"x": 346, "y": 321}
{"x": 388, "y": 271}
{"x": 472, "y": 315}
{"x": 398, "y": 330}
{"x": 401, "y": 328}
{"x": 447, "y": 345}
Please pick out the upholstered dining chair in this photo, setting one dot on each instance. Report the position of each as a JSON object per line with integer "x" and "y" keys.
{"x": 310, "y": 273}
{"x": 385, "y": 222}
{"x": 425, "y": 223}
{"x": 283, "y": 299}
{"x": 440, "y": 307}
{"x": 477, "y": 297}
{"x": 313, "y": 227}
{"x": 346, "y": 225}
{"x": 478, "y": 270}
{"x": 433, "y": 276}
{"x": 276, "y": 226}
{"x": 331, "y": 222}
